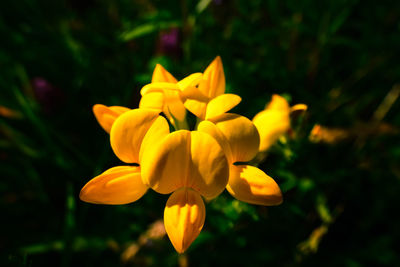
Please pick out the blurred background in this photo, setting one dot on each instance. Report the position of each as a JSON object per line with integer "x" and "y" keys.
{"x": 339, "y": 168}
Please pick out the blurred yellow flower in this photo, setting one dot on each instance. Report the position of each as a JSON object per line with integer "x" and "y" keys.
{"x": 274, "y": 120}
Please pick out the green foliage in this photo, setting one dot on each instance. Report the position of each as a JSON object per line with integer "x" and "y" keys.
{"x": 341, "y": 58}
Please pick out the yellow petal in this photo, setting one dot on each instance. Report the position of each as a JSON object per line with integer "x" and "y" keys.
{"x": 252, "y": 185}
{"x": 190, "y": 81}
{"x": 156, "y": 133}
{"x": 160, "y": 74}
{"x": 241, "y": 134}
{"x": 214, "y": 79}
{"x": 152, "y": 100}
{"x": 198, "y": 108}
{"x": 186, "y": 159}
{"x": 278, "y": 103}
{"x": 221, "y": 104}
{"x": 271, "y": 124}
{"x": 128, "y": 132}
{"x": 106, "y": 115}
{"x": 211, "y": 129}
{"x": 118, "y": 185}
{"x": 158, "y": 87}
{"x": 209, "y": 171}
{"x": 174, "y": 105}
{"x": 192, "y": 92}
{"x": 195, "y": 101}
{"x": 165, "y": 166}
{"x": 184, "y": 217}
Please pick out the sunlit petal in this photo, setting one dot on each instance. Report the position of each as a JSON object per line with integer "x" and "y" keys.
{"x": 152, "y": 100}
{"x": 186, "y": 159}
{"x": 128, "y": 132}
{"x": 252, "y": 185}
{"x": 107, "y": 115}
{"x": 271, "y": 124}
{"x": 214, "y": 79}
{"x": 158, "y": 87}
{"x": 221, "y": 104}
{"x": 241, "y": 135}
{"x": 160, "y": 74}
{"x": 190, "y": 81}
{"x": 184, "y": 217}
{"x": 118, "y": 185}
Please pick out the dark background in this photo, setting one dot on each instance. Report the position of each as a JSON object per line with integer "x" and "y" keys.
{"x": 341, "y": 187}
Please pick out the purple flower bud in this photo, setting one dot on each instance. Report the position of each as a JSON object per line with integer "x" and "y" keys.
{"x": 48, "y": 96}
{"x": 169, "y": 42}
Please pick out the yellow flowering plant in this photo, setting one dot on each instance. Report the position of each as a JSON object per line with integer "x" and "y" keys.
{"x": 188, "y": 164}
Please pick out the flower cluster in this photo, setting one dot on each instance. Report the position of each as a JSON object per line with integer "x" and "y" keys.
{"x": 168, "y": 157}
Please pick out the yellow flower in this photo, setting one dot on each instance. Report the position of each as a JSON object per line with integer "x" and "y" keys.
{"x": 240, "y": 140}
{"x": 274, "y": 120}
{"x": 131, "y": 133}
{"x": 191, "y": 165}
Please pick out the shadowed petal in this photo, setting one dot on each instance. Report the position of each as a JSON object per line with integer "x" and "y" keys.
{"x": 221, "y": 104}
{"x": 164, "y": 167}
{"x": 156, "y": 133}
{"x": 252, "y": 185}
{"x": 118, "y": 185}
{"x": 198, "y": 108}
{"x": 241, "y": 134}
{"x": 107, "y": 115}
{"x": 211, "y": 129}
{"x": 184, "y": 217}
{"x": 209, "y": 171}
{"x": 128, "y": 132}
